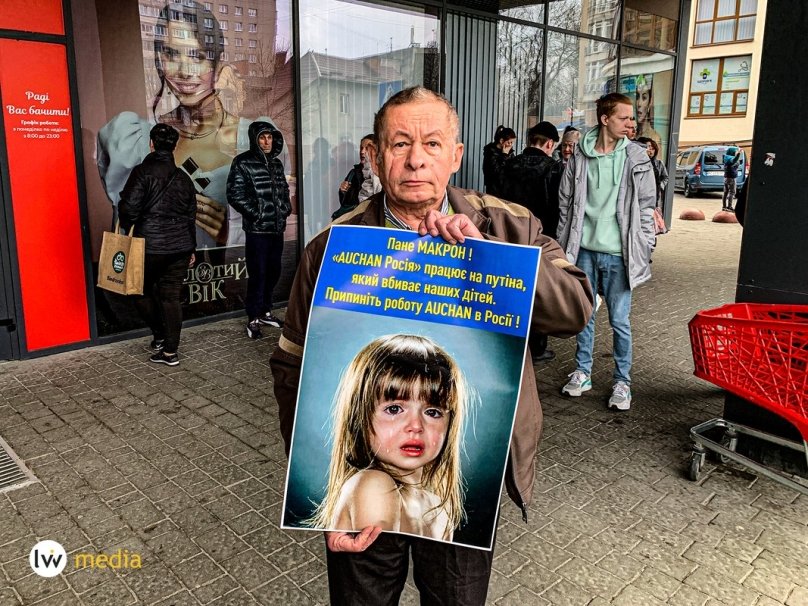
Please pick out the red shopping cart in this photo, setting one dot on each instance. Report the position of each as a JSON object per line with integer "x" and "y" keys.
{"x": 760, "y": 353}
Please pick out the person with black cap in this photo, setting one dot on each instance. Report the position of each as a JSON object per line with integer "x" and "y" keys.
{"x": 532, "y": 179}
{"x": 258, "y": 190}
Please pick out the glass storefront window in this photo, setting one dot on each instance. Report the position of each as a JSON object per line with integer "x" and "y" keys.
{"x": 647, "y": 78}
{"x": 577, "y": 75}
{"x": 526, "y": 10}
{"x": 355, "y": 56}
{"x": 519, "y": 53}
{"x": 596, "y": 17}
{"x": 144, "y": 62}
{"x": 649, "y": 29}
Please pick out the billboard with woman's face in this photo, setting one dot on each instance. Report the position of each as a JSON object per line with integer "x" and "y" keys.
{"x": 208, "y": 69}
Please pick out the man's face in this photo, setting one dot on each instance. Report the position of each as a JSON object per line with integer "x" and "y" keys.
{"x": 364, "y": 147}
{"x": 417, "y": 153}
{"x": 567, "y": 147}
{"x": 621, "y": 123}
{"x": 265, "y": 142}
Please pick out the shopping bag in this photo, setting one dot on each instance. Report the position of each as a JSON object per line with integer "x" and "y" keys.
{"x": 120, "y": 266}
{"x": 659, "y": 223}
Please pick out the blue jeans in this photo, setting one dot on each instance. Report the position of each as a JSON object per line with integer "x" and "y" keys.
{"x": 609, "y": 272}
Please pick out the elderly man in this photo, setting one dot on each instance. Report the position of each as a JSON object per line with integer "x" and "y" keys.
{"x": 417, "y": 134}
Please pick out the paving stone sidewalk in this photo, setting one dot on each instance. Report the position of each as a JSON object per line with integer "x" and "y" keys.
{"x": 184, "y": 467}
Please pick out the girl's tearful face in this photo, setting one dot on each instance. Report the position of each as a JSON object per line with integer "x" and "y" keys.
{"x": 408, "y": 434}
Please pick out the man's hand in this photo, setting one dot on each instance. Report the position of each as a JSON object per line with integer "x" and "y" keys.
{"x": 210, "y": 216}
{"x": 352, "y": 542}
{"x": 343, "y": 187}
{"x": 193, "y": 260}
{"x": 452, "y": 228}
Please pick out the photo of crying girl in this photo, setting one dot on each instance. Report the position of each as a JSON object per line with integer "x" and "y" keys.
{"x": 398, "y": 418}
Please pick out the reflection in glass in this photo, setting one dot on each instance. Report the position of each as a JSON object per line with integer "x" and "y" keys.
{"x": 647, "y": 78}
{"x": 577, "y": 75}
{"x": 597, "y": 17}
{"x": 532, "y": 10}
{"x": 519, "y": 53}
{"x": 355, "y": 57}
{"x": 651, "y": 30}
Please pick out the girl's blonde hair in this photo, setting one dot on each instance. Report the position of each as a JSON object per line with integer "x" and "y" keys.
{"x": 388, "y": 368}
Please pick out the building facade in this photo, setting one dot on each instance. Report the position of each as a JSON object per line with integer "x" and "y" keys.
{"x": 722, "y": 71}
{"x": 83, "y": 81}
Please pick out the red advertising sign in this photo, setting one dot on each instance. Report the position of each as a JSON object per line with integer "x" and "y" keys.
{"x": 44, "y": 195}
{"x": 42, "y": 16}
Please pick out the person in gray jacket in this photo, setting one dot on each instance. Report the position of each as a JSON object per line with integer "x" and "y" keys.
{"x": 606, "y": 227}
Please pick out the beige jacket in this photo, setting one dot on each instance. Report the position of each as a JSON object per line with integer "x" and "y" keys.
{"x": 562, "y": 307}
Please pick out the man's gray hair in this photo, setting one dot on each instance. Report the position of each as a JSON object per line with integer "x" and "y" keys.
{"x": 414, "y": 94}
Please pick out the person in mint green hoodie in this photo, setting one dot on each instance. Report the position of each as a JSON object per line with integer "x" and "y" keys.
{"x": 606, "y": 227}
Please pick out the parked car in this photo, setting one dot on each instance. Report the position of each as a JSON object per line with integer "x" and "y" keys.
{"x": 701, "y": 169}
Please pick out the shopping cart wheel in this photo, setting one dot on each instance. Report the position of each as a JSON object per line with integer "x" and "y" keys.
{"x": 696, "y": 463}
{"x": 730, "y": 442}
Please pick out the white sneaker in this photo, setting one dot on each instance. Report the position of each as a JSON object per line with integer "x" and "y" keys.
{"x": 579, "y": 383}
{"x": 621, "y": 396}
{"x": 598, "y": 301}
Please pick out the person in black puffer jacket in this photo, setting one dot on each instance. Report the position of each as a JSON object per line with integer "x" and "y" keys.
{"x": 159, "y": 200}
{"x": 258, "y": 190}
{"x": 495, "y": 154}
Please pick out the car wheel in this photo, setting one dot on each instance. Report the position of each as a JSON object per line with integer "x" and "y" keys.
{"x": 688, "y": 192}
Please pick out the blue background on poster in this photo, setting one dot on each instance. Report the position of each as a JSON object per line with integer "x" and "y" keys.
{"x": 487, "y": 258}
{"x": 492, "y": 363}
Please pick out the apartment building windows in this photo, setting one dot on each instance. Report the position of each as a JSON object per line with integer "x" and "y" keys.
{"x": 238, "y": 26}
{"x": 238, "y": 11}
{"x": 251, "y": 12}
{"x": 253, "y": 27}
{"x": 719, "y": 21}
{"x": 719, "y": 87}
{"x": 223, "y": 9}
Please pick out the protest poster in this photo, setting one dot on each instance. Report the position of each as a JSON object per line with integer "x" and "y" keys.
{"x": 410, "y": 378}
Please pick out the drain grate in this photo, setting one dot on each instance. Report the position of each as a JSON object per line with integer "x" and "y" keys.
{"x": 12, "y": 470}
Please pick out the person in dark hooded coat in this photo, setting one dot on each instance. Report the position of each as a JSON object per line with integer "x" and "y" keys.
{"x": 495, "y": 155}
{"x": 258, "y": 190}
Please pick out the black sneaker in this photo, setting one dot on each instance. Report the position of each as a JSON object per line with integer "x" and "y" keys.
{"x": 157, "y": 345}
{"x": 545, "y": 356}
{"x": 270, "y": 320}
{"x": 162, "y": 357}
{"x": 254, "y": 329}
